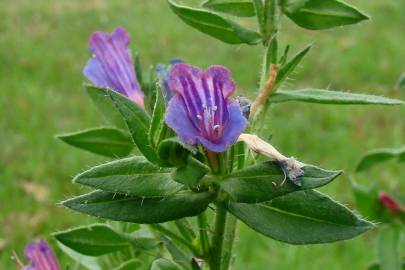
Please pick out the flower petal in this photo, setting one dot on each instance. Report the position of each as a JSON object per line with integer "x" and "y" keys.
{"x": 237, "y": 123}
{"x": 221, "y": 75}
{"x": 111, "y": 64}
{"x": 177, "y": 119}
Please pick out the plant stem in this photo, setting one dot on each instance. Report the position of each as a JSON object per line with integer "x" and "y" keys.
{"x": 218, "y": 238}
{"x": 203, "y": 228}
{"x": 230, "y": 231}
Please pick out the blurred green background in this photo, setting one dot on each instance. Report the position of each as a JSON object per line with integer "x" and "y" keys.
{"x": 43, "y": 48}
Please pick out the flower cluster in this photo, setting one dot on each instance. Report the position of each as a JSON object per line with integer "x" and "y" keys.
{"x": 200, "y": 109}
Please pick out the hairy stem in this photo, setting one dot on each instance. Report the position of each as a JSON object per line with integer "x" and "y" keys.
{"x": 230, "y": 231}
{"x": 218, "y": 238}
{"x": 203, "y": 229}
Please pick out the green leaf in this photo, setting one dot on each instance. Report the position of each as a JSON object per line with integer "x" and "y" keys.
{"x": 259, "y": 10}
{"x": 322, "y": 14}
{"x": 367, "y": 201}
{"x": 400, "y": 85}
{"x": 105, "y": 141}
{"x": 289, "y": 67}
{"x": 138, "y": 122}
{"x": 185, "y": 228}
{"x": 93, "y": 240}
{"x": 138, "y": 70}
{"x": 302, "y": 217}
{"x": 265, "y": 181}
{"x": 284, "y": 57}
{"x": 388, "y": 248}
{"x": 214, "y": 25}
{"x": 331, "y": 97}
{"x": 158, "y": 126}
{"x": 129, "y": 265}
{"x": 376, "y": 156}
{"x": 88, "y": 262}
{"x": 179, "y": 256}
{"x": 164, "y": 264}
{"x": 240, "y": 8}
{"x": 140, "y": 210}
{"x": 191, "y": 173}
{"x": 133, "y": 176}
{"x": 103, "y": 102}
{"x": 143, "y": 239}
{"x": 376, "y": 266}
{"x": 173, "y": 152}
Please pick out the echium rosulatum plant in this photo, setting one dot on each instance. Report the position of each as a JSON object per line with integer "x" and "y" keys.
{"x": 197, "y": 162}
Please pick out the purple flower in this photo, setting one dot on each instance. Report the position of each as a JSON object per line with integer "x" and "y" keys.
{"x": 201, "y": 110}
{"x": 111, "y": 64}
{"x": 41, "y": 257}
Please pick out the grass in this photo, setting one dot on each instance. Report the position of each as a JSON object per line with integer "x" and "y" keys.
{"x": 43, "y": 48}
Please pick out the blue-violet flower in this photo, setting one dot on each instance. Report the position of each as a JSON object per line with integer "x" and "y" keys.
{"x": 111, "y": 64}
{"x": 201, "y": 110}
{"x": 41, "y": 257}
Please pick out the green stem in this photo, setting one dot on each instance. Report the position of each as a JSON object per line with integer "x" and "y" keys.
{"x": 241, "y": 155}
{"x": 218, "y": 238}
{"x": 231, "y": 158}
{"x": 203, "y": 229}
{"x": 230, "y": 231}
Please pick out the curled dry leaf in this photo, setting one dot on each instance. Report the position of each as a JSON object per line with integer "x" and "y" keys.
{"x": 291, "y": 167}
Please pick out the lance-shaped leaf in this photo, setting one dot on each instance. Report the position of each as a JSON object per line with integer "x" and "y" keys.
{"x": 164, "y": 264}
{"x": 143, "y": 239}
{"x": 322, "y": 14}
{"x": 265, "y": 181}
{"x": 130, "y": 265}
{"x": 380, "y": 155}
{"x": 105, "y": 141}
{"x": 302, "y": 217}
{"x": 105, "y": 105}
{"x": 87, "y": 262}
{"x": 138, "y": 122}
{"x": 388, "y": 248}
{"x": 367, "y": 202}
{"x": 133, "y": 176}
{"x": 240, "y": 8}
{"x": 290, "y": 66}
{"x": 377, "y": 266}
{"x": 185, "y": 228}
{"x": 140, "y": 210}
{"x": 214, "y": 25}
{"x": 158, "y": 126}
{"x": 400, "y": 85}
{"x": 331, "y": 97}
{"x": 93, "y": 240}
{"x": 180, "y": 256}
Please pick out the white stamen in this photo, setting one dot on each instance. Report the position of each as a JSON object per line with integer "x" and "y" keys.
{"x": 214, "y": 108}
{"x": 216, "y": 127}
{"x": 199, "y": 117}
